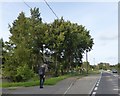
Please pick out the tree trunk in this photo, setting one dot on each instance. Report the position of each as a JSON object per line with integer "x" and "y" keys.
{"x": 56, "y": 67}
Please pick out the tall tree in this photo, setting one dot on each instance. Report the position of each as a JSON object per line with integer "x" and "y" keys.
{"x": 25, "y": 43}
{"x": 31, "y": 40}
{"x": 56, "y": 37}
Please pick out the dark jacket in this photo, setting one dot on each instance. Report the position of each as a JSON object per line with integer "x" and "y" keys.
{"x": 42, "y": 71}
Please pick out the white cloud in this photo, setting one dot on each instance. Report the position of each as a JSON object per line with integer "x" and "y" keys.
{"x": 115, "y": 37}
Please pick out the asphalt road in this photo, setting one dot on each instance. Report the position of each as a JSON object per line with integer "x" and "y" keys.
{"x": 107, "y": 85}
{"x": 73, "y": 85}
{"x": 102, "y": 84}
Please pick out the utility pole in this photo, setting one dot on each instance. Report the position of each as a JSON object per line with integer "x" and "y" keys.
{"x": 43, "y": 53}
{"x": 94, "y": 62}
{"x": 87, "y": 60}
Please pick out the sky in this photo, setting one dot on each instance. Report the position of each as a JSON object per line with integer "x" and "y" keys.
{"x": 101, "y": 18}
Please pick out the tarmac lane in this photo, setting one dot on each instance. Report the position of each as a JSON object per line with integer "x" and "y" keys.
{"x": 107, "y": 85}
{"x": 72, "y": 85}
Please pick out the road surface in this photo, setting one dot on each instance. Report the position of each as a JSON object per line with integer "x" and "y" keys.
{"x": 104, "y": 83}
{"x": 107, "y": 85}
{"x": 73, "y": 85}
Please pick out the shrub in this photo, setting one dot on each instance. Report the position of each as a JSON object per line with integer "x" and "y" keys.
{"x": 24, "y": 73}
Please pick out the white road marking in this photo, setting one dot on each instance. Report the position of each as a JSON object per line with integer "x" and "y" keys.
{"x": 115, "y": 84}
{"x": 96, "y": 88}
{"x": 94, "y": 93}
{"x": 68, "y": 88}
{"x": 93, "y": 87}
{"x": 110, "y": 80}
{"x": 116, "y": 89}
{"x": 98, "y": 82}
{"x": 108, "y": 76}
{"x": 97, "y": 85}
{"x": 115, "y": 75}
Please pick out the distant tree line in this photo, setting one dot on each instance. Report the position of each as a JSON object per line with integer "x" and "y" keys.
{"x": 107, "y": 66}
{"x": 60, "y": 44}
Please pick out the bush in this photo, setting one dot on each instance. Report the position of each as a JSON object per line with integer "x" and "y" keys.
{"x": 34, "y": 78}
{"x": 9, "y": 72}
{"x": 24, "y": 73}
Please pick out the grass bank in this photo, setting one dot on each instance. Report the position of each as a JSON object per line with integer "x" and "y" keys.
{"x": 50, "y": 81}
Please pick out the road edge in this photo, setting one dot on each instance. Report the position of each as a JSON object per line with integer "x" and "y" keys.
{"x": 92, "y": 90}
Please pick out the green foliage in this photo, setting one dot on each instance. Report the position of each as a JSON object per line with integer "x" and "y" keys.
{"x": 9, "y": 72}
{"x": 53, "y": 81}
{"x": 64, "y": 42}
{"x": 24, "y": 73}
{"x": 118, "y": 67}
{"x": 86, "y": 66}
{"x": 20, "y": 73}
{"x": 50, "y": 81}
{"x": 104, "y": 66}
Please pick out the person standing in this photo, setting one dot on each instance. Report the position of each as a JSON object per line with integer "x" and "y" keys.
{"x": 42, "y": 71}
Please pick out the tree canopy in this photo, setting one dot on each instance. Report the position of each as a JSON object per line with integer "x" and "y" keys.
{"x": 31, "y": 41}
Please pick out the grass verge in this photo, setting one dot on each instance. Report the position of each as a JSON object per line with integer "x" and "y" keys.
{"x": 50, "y": 81}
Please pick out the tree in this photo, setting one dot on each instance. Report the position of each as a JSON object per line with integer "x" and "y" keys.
{"x": 24, "y": 45}
{"x": 31, "y": 41}
{"x": 104, "y": 66}
{"x": 77, "y": 41}
{"x": 56, "y": 37}
{"x": 38, "y": 34}
{"x": 1, "y": 51}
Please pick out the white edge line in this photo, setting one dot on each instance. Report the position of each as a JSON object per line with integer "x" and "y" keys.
{"x": 98, "y": 82}
{"x": 94, "y": 93}
{"x": 93, "y": 87}
{"x": 96, "y": 88}
{"x": 95, "y": 84}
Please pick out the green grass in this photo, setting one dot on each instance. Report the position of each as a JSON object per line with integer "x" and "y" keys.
{"x": 94, "y": 72}
{"x": 50, "y": 81}
{"x": 53, "y": 81}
